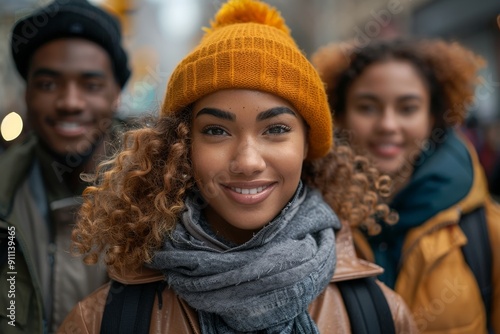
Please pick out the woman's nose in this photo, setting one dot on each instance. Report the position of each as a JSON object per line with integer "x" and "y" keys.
{"x": 388, "y": 120}
{"x": 248, "y": 159}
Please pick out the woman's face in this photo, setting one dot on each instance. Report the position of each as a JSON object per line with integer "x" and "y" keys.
{"x": 388, "y": 114}
{"x": 247, "y": 153}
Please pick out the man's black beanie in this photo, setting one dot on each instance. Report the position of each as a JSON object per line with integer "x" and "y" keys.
{"x": 69, "y": 18}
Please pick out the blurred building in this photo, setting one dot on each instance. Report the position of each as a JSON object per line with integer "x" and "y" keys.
{"x": 472, "y": 23}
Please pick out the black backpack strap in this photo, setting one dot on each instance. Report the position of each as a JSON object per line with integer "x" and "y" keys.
{"x": 478, "y": 255}
{"x": 128, "y": 307}
{"x": 367, "y": 307}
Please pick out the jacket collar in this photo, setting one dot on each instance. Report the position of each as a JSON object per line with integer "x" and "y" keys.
{"x": 479, "y": 191}
{"x": 477, "y": 196}
{"x": 16, "y": 163}
{"x": 141, "y": 275}
{"x": 349, "y": 266}
{"x": 442, "y": 177}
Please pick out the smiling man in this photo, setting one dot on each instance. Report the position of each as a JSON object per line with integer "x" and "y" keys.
{"x": 70, "y": 55}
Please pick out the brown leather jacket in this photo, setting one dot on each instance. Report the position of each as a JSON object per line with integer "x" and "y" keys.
{"x": 176, "y": 316}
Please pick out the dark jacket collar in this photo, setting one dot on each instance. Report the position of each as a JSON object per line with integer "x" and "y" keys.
{"x": 15, "y": 164}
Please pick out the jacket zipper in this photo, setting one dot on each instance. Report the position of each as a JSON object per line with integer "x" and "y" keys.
{"x": 191, "y": 323}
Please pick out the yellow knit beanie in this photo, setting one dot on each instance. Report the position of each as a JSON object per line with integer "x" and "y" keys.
{"x": 249, "y": 47}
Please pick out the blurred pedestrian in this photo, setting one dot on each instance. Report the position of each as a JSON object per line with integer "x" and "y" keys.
{"x": 216, "y": 208}
{"x": 399, "y": 102}
{"x": 70, "y": 55}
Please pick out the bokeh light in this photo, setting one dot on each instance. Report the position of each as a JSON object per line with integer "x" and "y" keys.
{"x": 12, "y": 126}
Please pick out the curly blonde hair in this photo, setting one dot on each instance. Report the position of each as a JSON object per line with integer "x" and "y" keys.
{"x": 449, "y": 70}
{"x": 139, "y": 193}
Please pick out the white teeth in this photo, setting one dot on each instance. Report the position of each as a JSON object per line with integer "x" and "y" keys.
{"x": 251, "y": 191}
{"x": 67, "y": 125}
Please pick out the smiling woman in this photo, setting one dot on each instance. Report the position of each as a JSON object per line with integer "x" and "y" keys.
{"x": 235, "y": 196}
{"x": 387, "y": 110}
{"x": 401, "y": 101}
{"x": 248, "y": 148}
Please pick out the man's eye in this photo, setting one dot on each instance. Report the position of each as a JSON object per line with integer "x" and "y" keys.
{"x": 46, "y": 85}
{"x": 93, "y": 86}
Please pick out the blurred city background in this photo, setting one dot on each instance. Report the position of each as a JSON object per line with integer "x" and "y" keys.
{"x": 158, "y": 33}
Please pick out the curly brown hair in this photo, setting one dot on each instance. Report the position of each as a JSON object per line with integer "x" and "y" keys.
{"x": 449, "y": 70}
{"x": 139, "y": 193}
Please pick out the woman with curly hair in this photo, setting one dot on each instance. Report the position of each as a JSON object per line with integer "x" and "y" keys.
{"x": 398, "y": 103}
{"x": 224, "y": 198}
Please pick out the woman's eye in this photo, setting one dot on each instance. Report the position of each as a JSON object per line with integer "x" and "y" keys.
{"x": 410, "y": 109}
{"x": 214, "y": 131}
{"x": 366, "y": 108}
{"x": 278, "y": 129}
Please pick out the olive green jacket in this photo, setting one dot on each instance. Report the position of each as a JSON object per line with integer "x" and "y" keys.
{"x": 43, "y": 280}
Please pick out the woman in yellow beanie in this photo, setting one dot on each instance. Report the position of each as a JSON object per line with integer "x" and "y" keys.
{"x": 400, "y": 102}
{"x": 215, "y": 219}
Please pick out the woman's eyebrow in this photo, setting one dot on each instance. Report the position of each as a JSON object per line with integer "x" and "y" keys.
{"x": 366, "y": 96}
{"x": 273, "y": 112}
{"x": 217, "y": 113}
{"x": 409, "y": 97}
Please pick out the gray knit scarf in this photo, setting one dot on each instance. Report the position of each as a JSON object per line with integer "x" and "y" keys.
{"x": 262, "y": 286}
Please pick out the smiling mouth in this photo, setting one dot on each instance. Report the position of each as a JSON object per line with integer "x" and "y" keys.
{"x": 69, "y": 129}
{"x": 249, "y": 191}
{"x": 386, "y": 150}
{"x": 68, "y": 125}
{"x": 250, "y": 194}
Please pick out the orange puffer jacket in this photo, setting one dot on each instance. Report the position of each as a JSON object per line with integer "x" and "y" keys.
{"x": 434, "y": 279}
